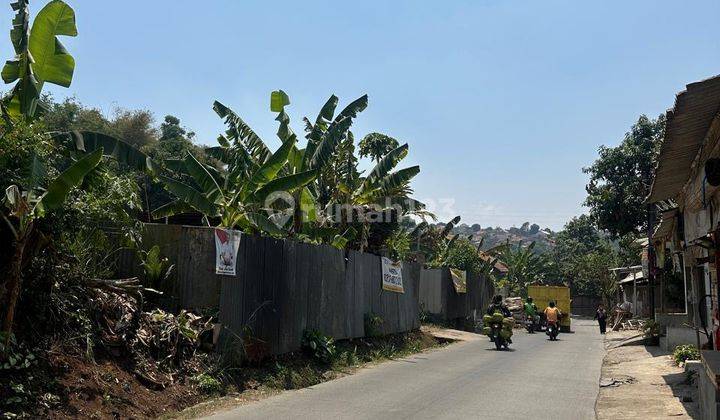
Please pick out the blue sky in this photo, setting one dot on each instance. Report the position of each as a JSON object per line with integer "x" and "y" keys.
{"x": 502, "y": 102}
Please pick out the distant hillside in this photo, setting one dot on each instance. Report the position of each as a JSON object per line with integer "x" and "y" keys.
{"x": 544, "y": 238}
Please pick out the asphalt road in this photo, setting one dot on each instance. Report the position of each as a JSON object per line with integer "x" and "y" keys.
{"x": 537, "y": 379}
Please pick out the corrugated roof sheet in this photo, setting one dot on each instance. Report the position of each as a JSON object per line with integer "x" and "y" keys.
{"x": 665, "y": 228}
{"x": 629, "y": 279}
{"x": 687, "y": 124}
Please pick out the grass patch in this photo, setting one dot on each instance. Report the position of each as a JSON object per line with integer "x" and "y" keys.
{"x": 304, "y": 369}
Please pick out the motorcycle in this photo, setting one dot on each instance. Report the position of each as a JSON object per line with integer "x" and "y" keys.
{"x": 552, "y": 330}
{"x": 497, "y": 336}
{"x": 531, "y": 324}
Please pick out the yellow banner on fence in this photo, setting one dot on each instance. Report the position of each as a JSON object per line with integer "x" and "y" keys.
{"x": 392, "y": 275}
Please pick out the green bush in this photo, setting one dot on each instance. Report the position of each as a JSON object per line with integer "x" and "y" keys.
{"x": 208, "y": 384}
{"x": 372, "y": 325}
{"x": 320, "y": 346}
{"x": 685, "y": 352}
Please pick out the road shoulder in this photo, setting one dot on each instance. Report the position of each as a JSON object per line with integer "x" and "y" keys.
{"x": 640, "y": 381}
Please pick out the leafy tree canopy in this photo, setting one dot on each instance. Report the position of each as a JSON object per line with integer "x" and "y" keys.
{"x": 377, "y": 145}
{"x": 621, "y": 177}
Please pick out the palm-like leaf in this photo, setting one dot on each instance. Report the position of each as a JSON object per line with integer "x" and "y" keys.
{"x": 238, "y": 130}
{"x": 52, "y": 62}
{"x": 287, "y": 183}
{"x": 124, "y": 153}
{"x": 72, "y": 177}
{"x": 190, "y": 196}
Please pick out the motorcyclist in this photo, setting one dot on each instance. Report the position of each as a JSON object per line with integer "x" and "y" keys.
{"x": 497, "y": 305}
{"x": 552, "y": 314}
{"x": 531, "y": 311}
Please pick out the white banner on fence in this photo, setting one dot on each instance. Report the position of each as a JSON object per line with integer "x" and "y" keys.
{"x": 227, "y": 243}
{"x": 392, "y": 275}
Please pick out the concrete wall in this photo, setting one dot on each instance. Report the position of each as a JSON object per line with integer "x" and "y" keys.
{"x": 708, "y": 397}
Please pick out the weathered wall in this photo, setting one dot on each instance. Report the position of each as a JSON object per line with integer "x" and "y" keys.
{"x": 195, "y": 285}
{"x": 584, "y": 305}
{"x": 439, "y": 298}
{"x": 285, "y": 287}
{"x": 282, "y": 287}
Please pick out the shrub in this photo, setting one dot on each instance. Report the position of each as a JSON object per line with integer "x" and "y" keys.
{"x": 208, "y": 384}
{"x": 372, "y": 325}
{"x": 685, "y": 352}
{"x": 320, "y": 346}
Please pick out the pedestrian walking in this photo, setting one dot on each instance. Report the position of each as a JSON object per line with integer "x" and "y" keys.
{"x": 601, "y": 316}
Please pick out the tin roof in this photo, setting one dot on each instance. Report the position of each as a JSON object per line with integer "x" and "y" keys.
{"x": 687, "y": 125}
{"x": 665, "y": 228}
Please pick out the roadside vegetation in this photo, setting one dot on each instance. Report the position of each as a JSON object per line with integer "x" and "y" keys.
{"x": 77, "y": 185}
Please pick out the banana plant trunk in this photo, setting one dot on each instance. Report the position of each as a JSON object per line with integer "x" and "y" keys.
{"x": 13, "y": 281}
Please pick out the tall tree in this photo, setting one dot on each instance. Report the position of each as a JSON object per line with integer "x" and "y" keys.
{"x": 621, "y": 177}
{"x": 377, "y": 145}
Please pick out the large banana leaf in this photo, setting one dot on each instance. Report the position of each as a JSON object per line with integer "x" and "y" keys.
{"x": 239, "y": 131}
{"x": 72, "y": 177}
{"x": 264, "y": 224}
{"x": 449, "y": 226}
{"x": 398, "y": 180}
{"x": 329, "y": 143}
{"x": 355, "y": 107}
{"x": 191, "y": 196}
{"x": 24, "y": 96}
{"x": 53, "y": 63}
{"x": 287, "y": 183}
{"x": 386, "y": 164}
{"x": 269, "y": 170}
{"x": 202, "y": 177}
{"x": 308, "y": 205}
{"x": 124, "y": 153}
{"x": 278, "y": 100}
{"x": 221, "y": 153}
{"x": 327, "y": 111}
{"x": 172, "y": 208}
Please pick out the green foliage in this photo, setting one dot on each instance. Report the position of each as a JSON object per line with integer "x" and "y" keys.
{"x": 16, "y": 356}
{"x": 22, "y": 150}
{"x": 621, "y": 177}
{"x": 373, "y": 323}
{"x": 377, "y": 145}
{"x": 398, "y": 245}
{"x": 207, "y": 384}
{"x": 320, "y": 346}
{"x": 525, "y": 267}
{"x": 685, "y": 352}
{"x": 157, "y": 269}
{"x": 39, "y": 55}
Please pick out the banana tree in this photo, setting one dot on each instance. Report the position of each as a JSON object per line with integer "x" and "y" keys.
{"x": 238, "y": 194}
{"x": 40, "y": 57}
{"x": 25, "y": 209}
{"x": 524, "y": 265}
{"x": 242, "y": 150}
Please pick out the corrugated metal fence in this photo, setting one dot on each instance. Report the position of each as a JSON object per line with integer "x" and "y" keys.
{"x": 284, "y": 287}
{"x": 439, "y": 298}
